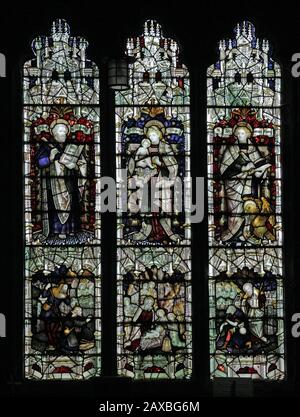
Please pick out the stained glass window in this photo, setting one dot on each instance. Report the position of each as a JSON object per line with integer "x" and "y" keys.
{"x": 245, "y": 226}
{"x": 62, "y": 216}
{"x": 154, "y": 265}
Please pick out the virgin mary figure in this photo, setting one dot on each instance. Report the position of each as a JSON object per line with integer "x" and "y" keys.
{"x": 154, "y": 164}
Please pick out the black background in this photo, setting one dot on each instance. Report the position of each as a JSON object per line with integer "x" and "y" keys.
{"x": 106, "y": 26}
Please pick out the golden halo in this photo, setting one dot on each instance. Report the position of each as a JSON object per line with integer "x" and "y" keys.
{"x": 156, "y": 123}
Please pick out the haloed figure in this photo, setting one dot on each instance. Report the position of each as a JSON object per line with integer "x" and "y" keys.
{"x": 62, "y": 181}
{"x": 252, "y": 304}
{"x": 154, "y": 164}
{"x": 243, "y": 169}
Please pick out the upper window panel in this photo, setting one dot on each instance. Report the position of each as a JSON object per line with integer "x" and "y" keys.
{"x": 156, "y": 75}
{"x": 245, "y": 73}
{"x": 60, "y": 73}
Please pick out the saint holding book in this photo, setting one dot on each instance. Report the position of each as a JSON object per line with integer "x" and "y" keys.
{"x": 63, "y": 171}
{"x": 244, "y": 171}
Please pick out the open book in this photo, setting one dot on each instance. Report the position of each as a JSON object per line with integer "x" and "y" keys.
{"x": 71, "y": 155}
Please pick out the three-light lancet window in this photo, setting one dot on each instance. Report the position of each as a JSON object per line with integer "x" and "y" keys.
{"x": 62, "y": 220}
